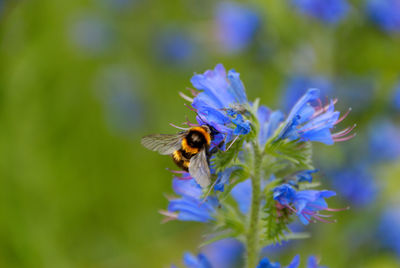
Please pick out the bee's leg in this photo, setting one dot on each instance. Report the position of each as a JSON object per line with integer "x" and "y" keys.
{"x": 217, "y": 148}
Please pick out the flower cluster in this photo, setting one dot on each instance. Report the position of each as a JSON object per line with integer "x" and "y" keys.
{"x": 263, "y": 173}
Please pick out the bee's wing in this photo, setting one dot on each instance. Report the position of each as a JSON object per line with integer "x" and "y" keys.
{"x": 163, "y": 143}
{"x": 199, "y": 170}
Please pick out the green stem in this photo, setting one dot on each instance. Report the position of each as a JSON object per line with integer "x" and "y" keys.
{"x": 253, "y": 231}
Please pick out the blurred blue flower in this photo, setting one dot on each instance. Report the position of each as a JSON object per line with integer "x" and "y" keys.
{"x": 309, "y": 121}
{"x": 356, "y": 184}
{"x": 91, "y": 34}
{"x": 327, "y": 11}
{"x": 225, "y": 253}
{"x": 396, "y": 96}
{"x": 307, "y": 203}
{"x": 385, "y": 13}
{"x": 242, "y": 193}
{"x": 265, "y": 263}
{"x": 121, "y": 5}
{"x": 124, "y": 108}
{"x": 356, "y": 92}
{"x": 297, "y": 86}
{"x": 220, "y": 92}
{"x": 175, "y": 46}
{"x": 199, "y": 261}
{"x": 236, "y": 26}
{"x": 269, "y": 121}
{"x": 389, "y": 231}
{"x": 190, "y": 206}
{"x": 312, "y": 262}
{"x": 384, "y": 140}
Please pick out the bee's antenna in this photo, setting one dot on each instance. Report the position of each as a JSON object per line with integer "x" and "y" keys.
{"x": 175, "y": 126}
{"x": 194, "y": 110}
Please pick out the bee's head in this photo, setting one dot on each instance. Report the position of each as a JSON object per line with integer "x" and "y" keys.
{"x": 210, "y": 129}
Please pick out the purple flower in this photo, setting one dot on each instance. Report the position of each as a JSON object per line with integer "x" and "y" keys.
{"x": 327, "y": 11}
{"x": 220, "y": 93}
{"x": 309, "y": 121}
{"x": 236, "y": 26}
{"x": 306, "y": 204}
{"x": 190, "y": 206}
{"x": 385, "y": 13}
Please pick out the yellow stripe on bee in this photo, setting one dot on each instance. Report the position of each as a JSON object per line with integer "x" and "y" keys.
{"x": 177, "y": 155}
{"x": 206, "y": 135}
{"x": 187, "y": 148}
{"x": 186, "y": 164}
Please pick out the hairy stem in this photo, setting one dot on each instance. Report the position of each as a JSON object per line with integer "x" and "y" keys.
{"x": 252, "y": 239}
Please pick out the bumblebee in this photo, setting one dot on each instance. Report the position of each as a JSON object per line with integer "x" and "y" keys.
{"x": 189, "y": 150}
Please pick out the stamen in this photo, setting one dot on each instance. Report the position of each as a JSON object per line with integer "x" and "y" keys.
{"x": 208, "y": 193}
{"x": 345, "y": 138}
{"x": 230, "y": 145}
{"x": 343, "y": 132}
{"x": 193, "y": 91}
{"x": 343, "y": 116}
{"x": 170, "y": 216}
{"x": 185, "y": 97}
{"x": 323, "y": 220}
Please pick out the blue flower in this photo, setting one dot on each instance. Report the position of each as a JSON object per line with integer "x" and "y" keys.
{"x": 385, "y": 13}
{"x": 190, "y": 206}
{"x": 306, "y": 204}
{"x": 219, "y": 94}
{"x": 389, "y": 231}
{"x": 327, "y": 11}
{"x": 225, "y": 253}
{"x": 284, "y": 194}
{"x": 269, "y": 121}
{"x": 309, "y": 121}
{"x": 236, "y": 26}
{"x": 223, "y": 178}
{"x": 384, "y": 141}
{"x": 265, "y": 263}
{"x": 305, "y": 175}
{"x": 199, "y": 261}
{"x": 297, "y": 85}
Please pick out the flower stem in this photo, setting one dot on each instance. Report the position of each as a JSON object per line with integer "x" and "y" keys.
{"x": 253, "y": 231}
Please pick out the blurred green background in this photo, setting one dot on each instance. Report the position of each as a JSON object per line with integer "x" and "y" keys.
{"x": 82, "y": 81}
